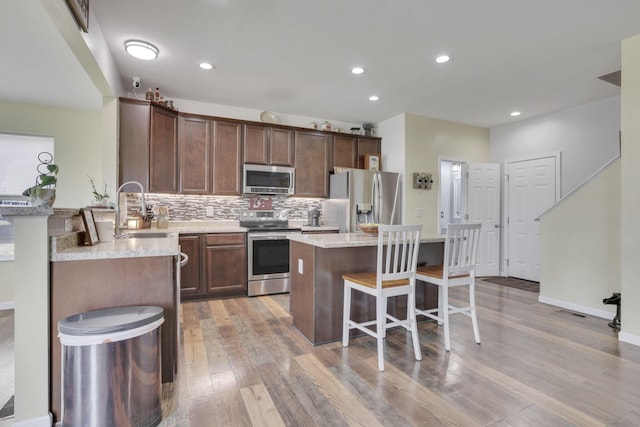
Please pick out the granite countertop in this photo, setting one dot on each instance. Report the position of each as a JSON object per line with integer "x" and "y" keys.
{"x": 63, "y": 248}
{"x": 350, "y": 240}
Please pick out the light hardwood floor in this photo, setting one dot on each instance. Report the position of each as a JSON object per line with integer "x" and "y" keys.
{"x": 243, "y": 364}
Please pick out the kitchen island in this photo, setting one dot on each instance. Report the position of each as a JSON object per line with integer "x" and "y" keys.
{"x": 318, "y": 262}
{"x": 134, "y": 271}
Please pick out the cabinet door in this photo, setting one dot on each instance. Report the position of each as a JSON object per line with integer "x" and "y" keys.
{"x": 190, "y": 273}
{"x": 195, "y": 155}
{"x": 226, "y": 270}
{"x": 133, "y": 164}
{"x": 367, "y": 146}
{"x": 281, "y": 149}
{"x": 163, "y": 151}
{"x": 345, "y": 151}
{"x": 227, "y": 157}
{"x": 312, "y": 151}
{"x": 256, "y": 144}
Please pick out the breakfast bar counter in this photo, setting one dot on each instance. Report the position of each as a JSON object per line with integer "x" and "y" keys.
{"x": 318, "y": 262}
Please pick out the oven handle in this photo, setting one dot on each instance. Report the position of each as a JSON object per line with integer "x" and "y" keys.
{"x": 263, "y": 236}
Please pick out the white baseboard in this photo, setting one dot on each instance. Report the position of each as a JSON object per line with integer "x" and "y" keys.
{"x": 604, "y": 314}
{"x": 629, "y": 338}
{"x": 43, "y": 421}
{"x": 7, "y": 305}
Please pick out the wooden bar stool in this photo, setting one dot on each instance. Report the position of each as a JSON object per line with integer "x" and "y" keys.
{"x": 397, "y": 258}
{"x": 458, "y": 269}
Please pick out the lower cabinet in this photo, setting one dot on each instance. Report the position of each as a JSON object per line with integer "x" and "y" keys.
{"x": 217, "y": 266}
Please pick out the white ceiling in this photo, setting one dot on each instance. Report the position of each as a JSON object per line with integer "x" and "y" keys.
{"x": 295, "y": 56}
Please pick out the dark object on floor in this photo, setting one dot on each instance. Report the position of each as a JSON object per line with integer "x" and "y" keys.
{"x": 513, "y": 282}
{"x": 614, "y": 299}
{"x": 7, "y": 409}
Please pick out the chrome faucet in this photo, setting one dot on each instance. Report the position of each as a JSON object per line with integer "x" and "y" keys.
{"x": 118, "y": 228}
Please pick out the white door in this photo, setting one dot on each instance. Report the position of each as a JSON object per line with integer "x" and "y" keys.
{"x": 483, "y": 206}
{"x": 532, "y": 189}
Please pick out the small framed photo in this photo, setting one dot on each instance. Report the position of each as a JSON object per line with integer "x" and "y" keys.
{"x": 372, "y": 162}
{"x": 91, "y": 234}
{"x": 80, "y": 10}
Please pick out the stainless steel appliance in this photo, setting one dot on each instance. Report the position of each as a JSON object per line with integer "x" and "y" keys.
{"x": 261, "y": 179}
{"x": 365, "y": 196}
{"x": 267, "y": 250}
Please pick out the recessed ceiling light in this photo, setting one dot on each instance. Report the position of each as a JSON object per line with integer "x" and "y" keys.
{"x": 141, "y": 49}
{"x": 205, "y": 66}
{"x": 442, "y": 59}
{"x": 374, "y": 98}
{"x": 515, "y": 113}
{"x": 357, "y": 70}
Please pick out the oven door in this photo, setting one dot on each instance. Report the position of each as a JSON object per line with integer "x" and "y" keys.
{"x": 268, "y": 256}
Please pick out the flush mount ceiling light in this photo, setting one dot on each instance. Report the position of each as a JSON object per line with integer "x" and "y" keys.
{"x": 442, "y": 59}
{"x": 205, "y": 66}
{"x": 357, "y": 70}
{"x": 141, "y": 49}
{"x": 515, "y": 113}
{"x": 374, "y": 98}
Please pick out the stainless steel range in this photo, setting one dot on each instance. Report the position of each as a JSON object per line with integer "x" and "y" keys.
{"x": 268, "y": 250}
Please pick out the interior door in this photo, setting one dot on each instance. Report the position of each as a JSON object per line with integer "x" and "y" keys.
{"x": 532, "y": 189}
{"x": 483, "y": 205}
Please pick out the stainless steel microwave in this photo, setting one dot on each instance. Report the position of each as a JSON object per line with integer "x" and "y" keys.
{"x": 261, "y": 179}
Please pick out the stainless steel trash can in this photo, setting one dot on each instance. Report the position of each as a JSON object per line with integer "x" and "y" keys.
{"x": 111, "y": 372}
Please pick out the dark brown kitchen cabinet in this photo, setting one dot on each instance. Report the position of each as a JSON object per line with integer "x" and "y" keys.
{"x": 227, "y": 158}
{"x": 265, "y": 145}
{"x": 368, "y": 145}
{"x": 217, "y": 266}
{"x": 195, "y": 154}
{"x": 312, "y": 154}
{"x": 345, "y": 151}
{"x": 225, "y": 260}
{"x": 148, "y": 146}
{"x": 190, "y": 274}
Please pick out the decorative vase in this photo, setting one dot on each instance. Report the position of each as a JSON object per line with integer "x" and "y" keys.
{"x": 43, "y": 197}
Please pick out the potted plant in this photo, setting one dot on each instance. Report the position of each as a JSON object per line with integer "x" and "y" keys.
{"x": 44, "y": 192}
{"x": 99, "y": 198}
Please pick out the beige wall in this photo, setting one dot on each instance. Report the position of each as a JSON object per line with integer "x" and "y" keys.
{"x": 78, "y": 138}
{"x": 580, "y": 246}
{"x": 630, "y": 252}
{"x": 425, "y": 140}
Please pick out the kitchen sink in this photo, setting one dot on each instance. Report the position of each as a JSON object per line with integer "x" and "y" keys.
{"x": 151, "y": 235}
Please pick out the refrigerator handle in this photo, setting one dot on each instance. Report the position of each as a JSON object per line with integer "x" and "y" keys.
{"x": 377, "y": 198}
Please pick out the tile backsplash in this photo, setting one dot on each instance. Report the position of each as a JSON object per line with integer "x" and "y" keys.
{"x": 194, "y": 208}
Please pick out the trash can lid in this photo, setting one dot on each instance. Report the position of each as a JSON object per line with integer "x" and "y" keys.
{"x": 110, "y": 320}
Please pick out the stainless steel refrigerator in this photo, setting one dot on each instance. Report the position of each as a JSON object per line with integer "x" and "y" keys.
{"x": 358, "y": 196}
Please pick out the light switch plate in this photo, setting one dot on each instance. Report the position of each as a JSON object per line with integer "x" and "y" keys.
{"x": 300, "y": 266}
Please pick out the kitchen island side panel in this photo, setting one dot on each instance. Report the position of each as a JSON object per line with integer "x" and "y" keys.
{"x": 80, "y": 286}
{"x": 320, "y": 319}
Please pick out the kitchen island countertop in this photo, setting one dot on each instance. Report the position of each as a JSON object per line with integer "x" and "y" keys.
{"x": 350, "y": 240}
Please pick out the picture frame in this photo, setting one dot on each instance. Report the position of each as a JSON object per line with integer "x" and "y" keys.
{"x": 372, "y": 162}
{"x": 91, "y": 233}
{"x": 80, "y": 11}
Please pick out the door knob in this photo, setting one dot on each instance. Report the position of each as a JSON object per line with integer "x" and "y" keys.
{"x": 496, "y": 225}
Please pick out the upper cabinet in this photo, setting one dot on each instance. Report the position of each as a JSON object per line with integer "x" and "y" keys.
{"x": 148, "y": 146}
{"x": 227, "y": 158}
{"x": 312, "y": 154}
{"x": 345, "y": 151}
{"x": 367, "y": 145}
{"x": 195, "y": 154}
{"x": 265, "y": 145}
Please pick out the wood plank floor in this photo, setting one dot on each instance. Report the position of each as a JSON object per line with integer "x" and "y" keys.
{"x": 243, "y": 364}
